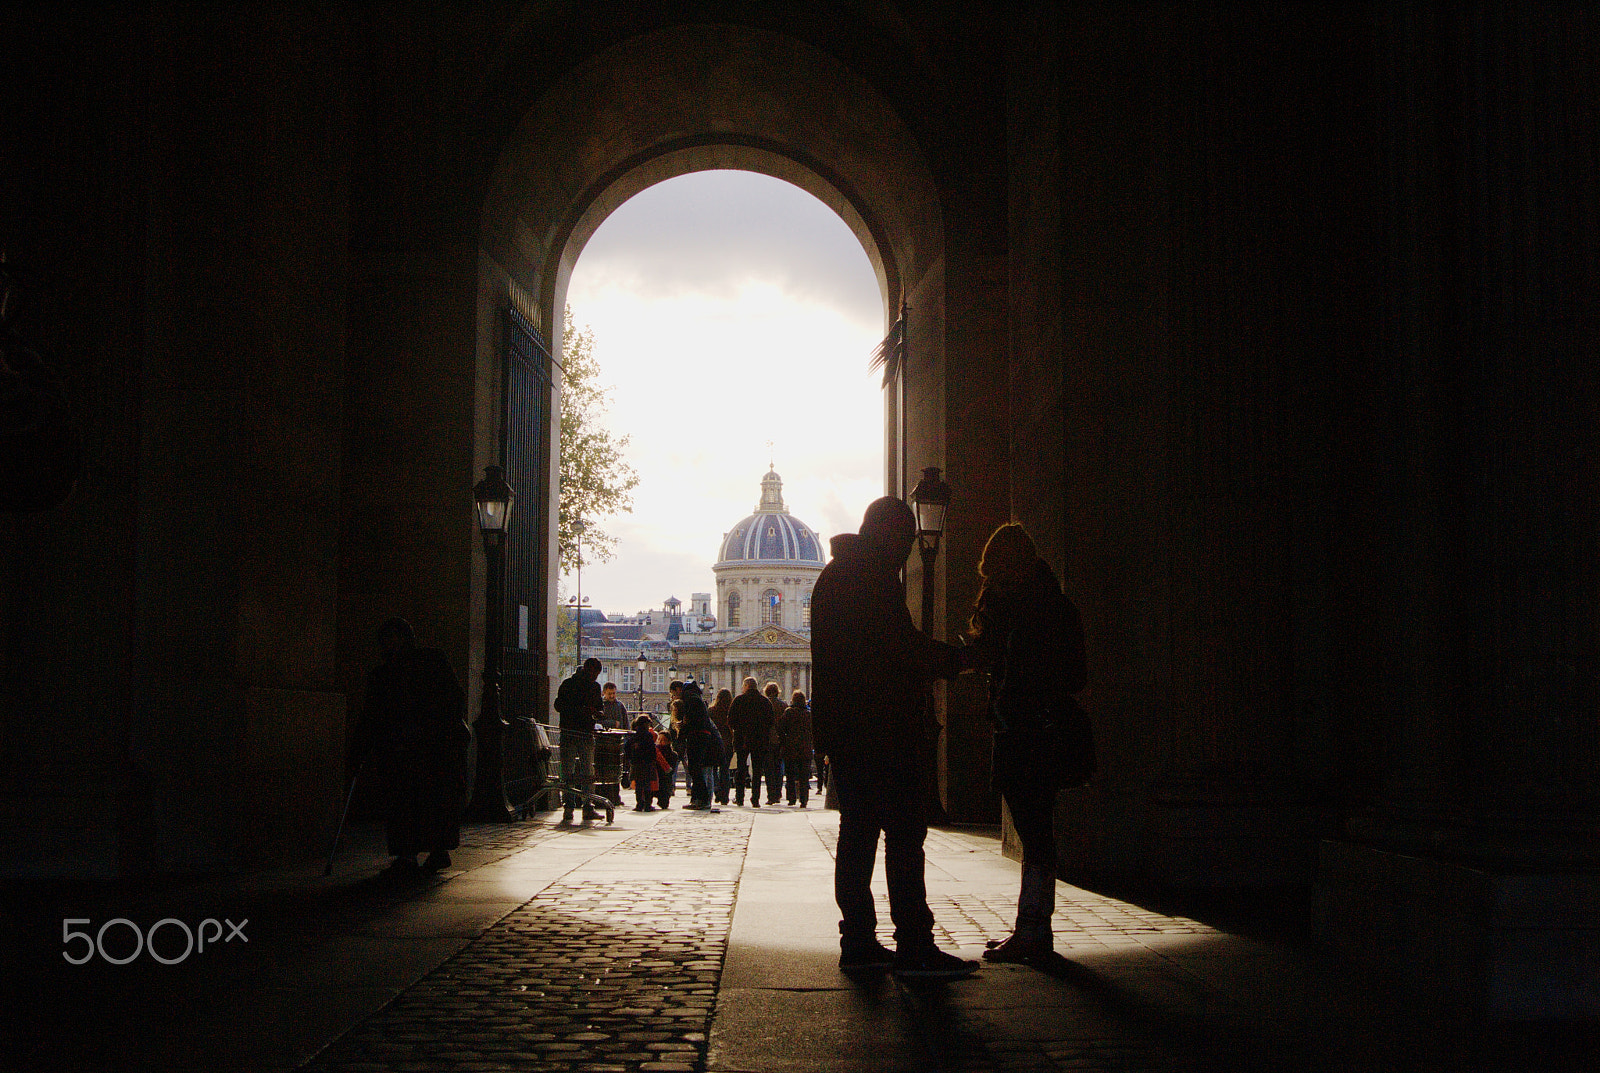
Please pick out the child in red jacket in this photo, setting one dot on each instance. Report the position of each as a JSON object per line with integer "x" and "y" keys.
{"x": 645, "y": 762}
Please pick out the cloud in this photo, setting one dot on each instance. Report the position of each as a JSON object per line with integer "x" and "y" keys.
{"x": 642, "y": 575}
{"x": 729, "y": 310}
{"x": 713, "y": 233}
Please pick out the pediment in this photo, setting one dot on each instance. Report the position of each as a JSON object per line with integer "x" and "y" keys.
{"x": 768, "y": 636}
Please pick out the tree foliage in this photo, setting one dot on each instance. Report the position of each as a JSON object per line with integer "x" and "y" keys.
{"x": 596, "y": 482}
{"x": 566, "y": 635}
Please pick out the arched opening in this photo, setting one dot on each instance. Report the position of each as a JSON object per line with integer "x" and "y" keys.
{"x": 730, "y": 316}
{"x": 691, "y": 99}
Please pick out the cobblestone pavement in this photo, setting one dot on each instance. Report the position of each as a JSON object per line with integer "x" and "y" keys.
{"x": 1082, "y": 919}
{"x": 506, "y": 839}
{"x": 693, "y": 834}
{"x": 588, "y": 976}
{"x": 605, "y": 971}
{"x": 609, "y": 949}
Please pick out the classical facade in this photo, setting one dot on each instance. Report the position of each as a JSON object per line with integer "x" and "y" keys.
{"x": 765, "y": 568}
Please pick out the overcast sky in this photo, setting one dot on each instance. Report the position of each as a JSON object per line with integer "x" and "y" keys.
{"x": 729, "y": 309}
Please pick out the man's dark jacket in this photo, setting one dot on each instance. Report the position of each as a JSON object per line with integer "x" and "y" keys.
{"x": 615, "y": 715}
{"x": 871, "y": 666}
{"x": 751, "y": 718}
{"x": 578, "y": 703}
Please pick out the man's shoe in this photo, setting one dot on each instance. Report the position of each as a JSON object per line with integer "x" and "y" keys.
{"x": 590, "y": 814}
{"x": 874, "y": 958}
{"x": 436, "y": 862}
{"x": 932, "y": 963}
{"x": 566, "y": 817}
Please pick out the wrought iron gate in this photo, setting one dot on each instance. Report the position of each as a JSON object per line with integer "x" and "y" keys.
{"x": 525, "y": 456}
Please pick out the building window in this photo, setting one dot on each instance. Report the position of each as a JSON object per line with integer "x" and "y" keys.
{"x": 805, "y": 611}
{"x": 627, "y": 685}
{"x": 658, "y": 679}
{"x": 772, "y": 608}
{"x": 733, "y": 609}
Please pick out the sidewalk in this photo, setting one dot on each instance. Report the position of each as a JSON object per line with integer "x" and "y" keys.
{"x": 684, "y": 941}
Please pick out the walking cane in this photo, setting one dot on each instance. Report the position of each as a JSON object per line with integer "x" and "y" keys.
{"x": 328, "y": 871}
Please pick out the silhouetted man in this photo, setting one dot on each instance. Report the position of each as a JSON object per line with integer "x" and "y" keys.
{"x": 873, "y": 669}
{"x": 751, "y": 720}
{"x": 579, "y": 705}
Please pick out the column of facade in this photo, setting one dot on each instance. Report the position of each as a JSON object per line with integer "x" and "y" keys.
{"x": 1475, "y": 871}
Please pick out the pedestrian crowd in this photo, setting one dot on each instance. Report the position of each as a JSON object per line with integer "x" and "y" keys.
{"x": 867, "y": 734}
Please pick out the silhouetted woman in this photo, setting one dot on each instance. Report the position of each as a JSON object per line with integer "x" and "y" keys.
{"x": 719, "y": 719}
{"x": 413, "y": 726}
{"x": 794, "y": 749}
{"x": 1029, "y": 637}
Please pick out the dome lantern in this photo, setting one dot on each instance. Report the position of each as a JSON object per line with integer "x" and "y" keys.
{"x": 771, "y": 534}
{"x": 771, "y": 494}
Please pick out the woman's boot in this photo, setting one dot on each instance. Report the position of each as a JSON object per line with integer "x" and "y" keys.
{"x": 1031, "y": 939}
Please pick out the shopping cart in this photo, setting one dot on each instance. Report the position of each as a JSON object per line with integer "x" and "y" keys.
{"x": 568, "y": 781}
{"x": 530, "y": 766}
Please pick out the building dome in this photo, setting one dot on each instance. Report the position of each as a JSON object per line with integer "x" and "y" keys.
{"x": 771, "y": 534}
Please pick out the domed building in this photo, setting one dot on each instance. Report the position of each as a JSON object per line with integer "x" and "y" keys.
{"x": 765, "y": 569}
{"x": 767, "y": 565}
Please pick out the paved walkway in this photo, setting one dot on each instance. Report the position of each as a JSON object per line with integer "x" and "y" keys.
{"x": 688, "y": 942}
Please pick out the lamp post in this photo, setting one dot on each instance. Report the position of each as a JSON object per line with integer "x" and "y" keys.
{"x": 494, "y": 498}
{"x": 577, "y": 605}
{"x": 642, "y": 663}
{"x": 931, "y": 500}
{"x": 577, "y": 598}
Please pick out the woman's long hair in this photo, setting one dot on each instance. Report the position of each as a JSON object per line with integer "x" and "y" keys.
{"x": 1006, "y": 563}
{"x": 723, "y": 702}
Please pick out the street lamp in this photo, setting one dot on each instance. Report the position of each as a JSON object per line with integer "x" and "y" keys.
{"x": 642, "y": 663}
{"x": 494, "y": 498}
{"x": 931, "y": 500}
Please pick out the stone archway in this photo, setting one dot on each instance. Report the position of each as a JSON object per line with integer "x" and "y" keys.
{"x": 697, "y": 98}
